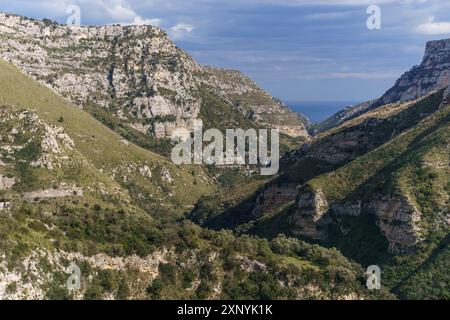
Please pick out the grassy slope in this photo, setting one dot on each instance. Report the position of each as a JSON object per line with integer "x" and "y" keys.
{"x": 414, "y": 164}
{"x": 97, "y": 143}
{"x": 114, "y": 225}
{"x": 396, "y": 119}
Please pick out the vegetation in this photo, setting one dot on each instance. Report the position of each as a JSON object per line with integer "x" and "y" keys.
{"x": 122, "y": 217}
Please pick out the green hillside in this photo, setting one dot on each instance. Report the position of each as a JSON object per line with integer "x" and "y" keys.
{"x": 381, "y": 183}
{"x": 72, "y": 190}
{"x": 102, "y": 147}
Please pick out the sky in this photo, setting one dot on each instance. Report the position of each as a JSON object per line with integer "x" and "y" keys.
{"x": 297, "y": 50}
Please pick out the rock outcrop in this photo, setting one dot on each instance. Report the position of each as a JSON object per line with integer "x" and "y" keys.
{"x": 306, "y": 218}
{"x": 432, "y": 74}
{"x": 54, "y": 193}
{"x": 6, "y": 183}
{"x": 273, "y": 198}
{"x": 398, "y": 220}
{"x": 134, "y": 72}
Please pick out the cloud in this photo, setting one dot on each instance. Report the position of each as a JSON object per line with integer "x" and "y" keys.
{"x": 341, "y": 2}
{"x": 119, "y": 10}
{"x": 434, "y": 28}
{"x": 364, "y": 75}
{"x": 328, "y": 16}
{"x": 180, "y": 30}
{"x": 375, "y": 75}
{"x": 138, "y": 21}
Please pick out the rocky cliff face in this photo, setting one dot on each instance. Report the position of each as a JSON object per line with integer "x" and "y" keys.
{"x": 245, "y": 95}
{"x": 134, "y": 72}
{"x": 342, "y": 116}
{"x": 395, "y": 215}
{"x": 432, "y": 74}
{"x": 306, "y": 218}
{"x": 368, "y": 177}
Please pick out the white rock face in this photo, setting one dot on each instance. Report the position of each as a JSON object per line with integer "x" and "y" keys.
{"x": 432, "y": 74}
{"x": 35, "y": 282}
{"x": 399, "y": 220}
{"x": 145, "y": 172}
{"x": 135, "y": 72}
{"x": 55, "y": 140}
{"x": 5, "y": 206}
{"x": 6, "y": 183}
{"x": 166, "y": 176}
{"x": 132, "y": 70}
{"x": 54, "y": 193}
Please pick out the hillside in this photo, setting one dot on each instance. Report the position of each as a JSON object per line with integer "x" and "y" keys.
{"x": 376, "y": 187}
{"x": 430, "y": 75}
{"x": 85, "y": 119}
{"x": 385, "y": 202}
{"x": 74, "y": 191}
{"x": 342, "y": 116}
{"x": 134, "y": 79}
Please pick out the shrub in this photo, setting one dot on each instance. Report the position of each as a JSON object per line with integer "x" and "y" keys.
{"x": 155, "y": 288}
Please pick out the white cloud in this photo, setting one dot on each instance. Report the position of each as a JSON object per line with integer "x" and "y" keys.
{"x": 376, "y": 75}
{"x": 341, "y": 2}
{"x": 180, "y": 30}
{"x": 138, "y": 21}
{"x": 119, "y": 10}
{"x": 434, "y": 28}
{"x": 328, "y": 16}
{"x": 365, "y": 75}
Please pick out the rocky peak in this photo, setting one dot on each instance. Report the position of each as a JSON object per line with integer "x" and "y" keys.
{"x": 432, "y": 74}
{"x": 245, "y": 95}
{"x": 134, "y": 72}
{"x": 437, "y": 52}
{"x": 43, "y": 28}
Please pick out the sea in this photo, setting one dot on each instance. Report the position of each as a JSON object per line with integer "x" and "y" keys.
{"x": 317, "y": 111}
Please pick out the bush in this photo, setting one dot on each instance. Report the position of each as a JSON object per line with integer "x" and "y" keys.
{"x": 94, "y": 292}
{"x": 203, "y": 290}
{"x": 168, "y": 272}
{"x": 187, "y": 279}
{"x": 155, "y": 288}
{"x": 108, "y": 280}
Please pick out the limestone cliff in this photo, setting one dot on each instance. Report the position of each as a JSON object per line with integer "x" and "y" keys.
{"x": 134, "y": 72}
{"x": 432, "y": 74}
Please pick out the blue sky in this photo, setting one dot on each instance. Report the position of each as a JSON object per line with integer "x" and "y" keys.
{"x": 316, "y": 50}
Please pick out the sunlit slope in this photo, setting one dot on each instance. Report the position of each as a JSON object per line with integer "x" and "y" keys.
{"x": 168, "y": 184}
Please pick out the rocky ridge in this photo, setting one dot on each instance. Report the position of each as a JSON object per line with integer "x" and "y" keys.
{"x": 431, "y": 75}
{"x": 134, "y": 72}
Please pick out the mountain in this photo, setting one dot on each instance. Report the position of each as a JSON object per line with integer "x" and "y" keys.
{"x": 431, "y": 75}
{"x": 342, "y": 116}
{"x": 134, "y": 79}
{"x": 376, "y": 187}
{"x": 76, "y": 193}
{"x": 73, "y": 191}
